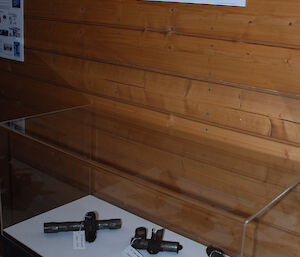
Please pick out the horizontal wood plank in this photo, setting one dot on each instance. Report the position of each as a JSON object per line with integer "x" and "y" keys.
{"x": 283, "y": 108}
{"x": 223, "y": 105}
{"x": 64, "y": 130}
{"x": 90, "y": 75}
{"x": 203, "y": 153}
{"x": 276, "y": 154}
{"x": 50, "y": 161}
{"x": 261, "y": 21}
{"x": 240, "y": 64}
{"x": 38, "y": 96}
{"x": 273, "y": 242}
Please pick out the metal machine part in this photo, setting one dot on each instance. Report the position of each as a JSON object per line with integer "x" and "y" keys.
{"x": 89, "y": 225}
{"x": 214, "y": 252}
{"x": 155, "y": 244}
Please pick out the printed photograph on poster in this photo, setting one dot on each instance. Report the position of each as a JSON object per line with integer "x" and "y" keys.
{"x": 16, "y": 3}
{"x": 3, "y": 32}
{"x": 12, "y": 19}
{"x": 241, "y": 3}
{"x": 12, "y": 30}
{"x": 8, "y": 49}
{"x": 3, "y": 18}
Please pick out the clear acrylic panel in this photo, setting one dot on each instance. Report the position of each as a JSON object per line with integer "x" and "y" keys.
{"x": 276, "y": 226}
{"x": 35, "y": 178}
{"x": 56, "y": 158}
{"x": 15, "y": 103}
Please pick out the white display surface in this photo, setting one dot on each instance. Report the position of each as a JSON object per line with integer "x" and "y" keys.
{"x": 109, "y": 243}
{"x": 213, "y": 2}
{"x": 12, "y": 29}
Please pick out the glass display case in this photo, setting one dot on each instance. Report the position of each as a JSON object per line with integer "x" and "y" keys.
{"x": 275, "y": 226}
{"x": 51, "y": 160}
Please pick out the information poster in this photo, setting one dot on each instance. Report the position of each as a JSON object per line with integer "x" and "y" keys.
{"x": 214, "y": 2}
{"x": 12, "y": 29}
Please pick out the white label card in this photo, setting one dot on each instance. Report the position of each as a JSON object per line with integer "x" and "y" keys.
{"x": 78, "y": 240}
{"x": 131, "y": 252}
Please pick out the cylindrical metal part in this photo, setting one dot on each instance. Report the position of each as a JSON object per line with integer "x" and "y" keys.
{"x": 109, "y": 224}
{"x": 164, "y": 246}
{"x": 141, "y": 244}
{"x": 170, "y": 246}
{"x": 55, "y": 227}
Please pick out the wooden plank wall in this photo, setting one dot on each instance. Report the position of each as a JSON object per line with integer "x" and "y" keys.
{"x": 204, "y": 96}
{"x": 4, "y": 174}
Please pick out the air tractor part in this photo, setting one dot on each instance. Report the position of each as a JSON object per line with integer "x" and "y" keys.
{"x": 155, "y": 244}
{"x": 89, "y": 225}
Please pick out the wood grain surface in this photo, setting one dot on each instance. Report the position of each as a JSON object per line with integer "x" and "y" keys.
{"x": 196, "y": 109}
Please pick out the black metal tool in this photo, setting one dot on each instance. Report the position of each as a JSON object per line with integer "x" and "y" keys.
{"x": 214, "y": 252}
{"x": 155, "y": 244}
{"x": 90, "y": 225}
